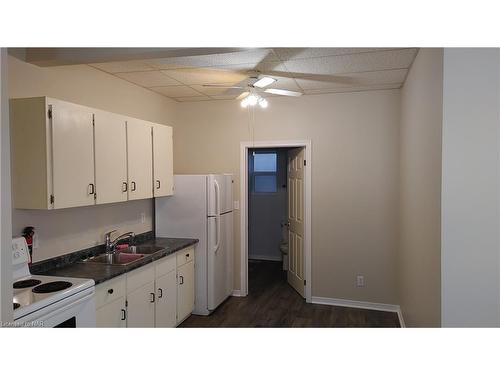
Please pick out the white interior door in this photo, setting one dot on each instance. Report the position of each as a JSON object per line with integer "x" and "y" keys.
{"x": 295, "y": 274}
{"x": 140, "y": 159}
{"x": 163, "y": 165}
{"x": 110, "y": 157}
{"x": 72, "y": 155}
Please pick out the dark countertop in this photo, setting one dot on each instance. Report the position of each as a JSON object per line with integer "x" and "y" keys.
{"x": 103, "y": 272}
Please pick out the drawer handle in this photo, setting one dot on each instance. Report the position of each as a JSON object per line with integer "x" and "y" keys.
{"x": 132, "y": 186}
{"x": 158, "y": 184}
{"x": 124, "y": 314}
{"x": 152, "y": 297}
{"x": 110, "y": 291}
{"x": 160, "y": 293}
{"x": 124, "y": 187}
{"x": 91, "y": 189}
{"x": 181, "y": 280}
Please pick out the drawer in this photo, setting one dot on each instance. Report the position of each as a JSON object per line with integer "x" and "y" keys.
{"x": 184, "y": 256}
{"x": 110, "y": 290}
{"x": 140, "y": 277}
{"x": 165, "y": 265}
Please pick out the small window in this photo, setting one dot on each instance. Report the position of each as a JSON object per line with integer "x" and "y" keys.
{"x": 264, "y": 162}
{"x": 265, "y": 183}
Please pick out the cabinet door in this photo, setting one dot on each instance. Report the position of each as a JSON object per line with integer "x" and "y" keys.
{"x": 110, "y": 157}
{"x": 112, "y": 315}
{"x": 140, "y": 159}
{"x": 141, "y": 306}
{"x": 185, "y": 290}
{"x": 72, "y": 155}
{"x": 166, "y": 301}
{"x": 163, "y": 164}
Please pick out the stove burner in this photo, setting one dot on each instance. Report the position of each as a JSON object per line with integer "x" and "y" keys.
{"x": 16, "y": 305}
{"x": 51, "y": 287}
{"x": 26, "y": 283}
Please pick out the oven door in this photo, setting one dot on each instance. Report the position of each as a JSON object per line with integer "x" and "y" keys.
{"x": 76, "y": 311}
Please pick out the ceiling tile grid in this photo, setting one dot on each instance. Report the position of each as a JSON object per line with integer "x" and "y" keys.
{"x": 310, "y": 71}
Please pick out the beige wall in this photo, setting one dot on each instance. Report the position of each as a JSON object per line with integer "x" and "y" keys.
{"x": 72, "y": 229}
{"x": 355, "y": 177}
{"x": 419, "y": 272}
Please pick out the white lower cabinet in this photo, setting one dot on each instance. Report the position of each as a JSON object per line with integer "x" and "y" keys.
{"x": 160, "y": 294}
{"x": 166, "y": 302}
{"x": 110, "y": 301}
{"x": 112, "y": 315}
{"x": 185, "y": 288}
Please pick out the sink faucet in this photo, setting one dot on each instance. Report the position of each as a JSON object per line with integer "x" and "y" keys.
{"x": 110, "y": 245}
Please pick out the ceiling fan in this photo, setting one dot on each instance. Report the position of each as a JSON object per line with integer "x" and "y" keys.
{"x": 255, "y": 84}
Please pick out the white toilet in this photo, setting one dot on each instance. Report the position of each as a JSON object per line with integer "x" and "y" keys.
{"x": 284, "y": 245}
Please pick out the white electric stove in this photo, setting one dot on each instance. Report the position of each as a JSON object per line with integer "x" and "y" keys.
{"x": 49, "y": 301}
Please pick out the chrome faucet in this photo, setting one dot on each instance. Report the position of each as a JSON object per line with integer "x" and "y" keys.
{"x": 110, "y": 245}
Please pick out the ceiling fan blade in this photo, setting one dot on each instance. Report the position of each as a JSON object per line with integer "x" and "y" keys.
{"x": 283, "y": 92}
{"x": 243, "y": 95}
{"x": 314, "y": 77}
{"x": 223, "y": 86}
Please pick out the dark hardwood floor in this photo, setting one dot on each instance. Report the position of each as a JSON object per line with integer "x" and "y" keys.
{"x": 271, "y": 302}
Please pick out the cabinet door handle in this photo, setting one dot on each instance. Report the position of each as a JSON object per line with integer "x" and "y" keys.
{"x": 152, "y": 297}
{"x": 160, "y": 293}
{"x": 124, "y": 187}
{"x": 132, "y": 186}
{"x": 110, "y": 291}
{"x": 91, "y": 189}
{"x": 181, "y": 280}
{"x": 158, "y": 184}
{"x": 124, "y": 314}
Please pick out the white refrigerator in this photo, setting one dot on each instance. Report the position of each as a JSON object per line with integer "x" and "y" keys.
{"x": 202, "y": 207}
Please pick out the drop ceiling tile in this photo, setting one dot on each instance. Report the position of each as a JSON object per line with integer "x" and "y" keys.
{"x": 361, "y": 62}
{"x": 396, "y": 76}
{"x": 176, "y": 91}
{"x": 148, "y": 79}
{"x": 224, "y": 97}
{"x": 252, "y": 56}
{"x": 352, "y": 89}
{"x": 123, "y": 66}
{"x": 202, "y": 76}
{"x": 307, "y": 53}
{"x": 211, "y": 91}
{"x": 193, "y": 99}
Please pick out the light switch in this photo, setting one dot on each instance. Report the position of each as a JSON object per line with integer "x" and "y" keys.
{"x": 236, "y": 205}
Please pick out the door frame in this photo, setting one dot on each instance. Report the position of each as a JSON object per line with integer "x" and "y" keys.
{"x": 244, "y": 146}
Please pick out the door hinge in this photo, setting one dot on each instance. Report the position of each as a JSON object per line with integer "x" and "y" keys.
{"x": 305, "y": 163}
{"x": 304, "y": 282}
{"x": 93, "y": 120}
{"x": 49, "y": 113}
{"x": 52, "y": 199}
{"x": 126, "y": 303}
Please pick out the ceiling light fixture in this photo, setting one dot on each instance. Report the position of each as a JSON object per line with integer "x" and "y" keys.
{"x": 254, "y": 99}
{"x": 264, "y": 81}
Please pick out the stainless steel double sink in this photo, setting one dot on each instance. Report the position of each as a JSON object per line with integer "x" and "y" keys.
{"x": 124, "y": 257}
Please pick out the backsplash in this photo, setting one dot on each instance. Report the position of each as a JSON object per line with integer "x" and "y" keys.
{"x": 68, "y": 230}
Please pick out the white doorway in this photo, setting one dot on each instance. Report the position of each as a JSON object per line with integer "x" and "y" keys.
{"x": 305, "y": 260}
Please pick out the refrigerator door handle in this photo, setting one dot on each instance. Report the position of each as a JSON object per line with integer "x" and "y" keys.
{"x": 217, "y": 214}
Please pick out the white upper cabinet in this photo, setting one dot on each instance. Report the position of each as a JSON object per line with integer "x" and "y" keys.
{"x": 72, "y": 155}
{"x": 140, "y": 159}
{"x": 110, "y": 157}
{"x": 163, "y": 163}
{"x": 67, "y": 155}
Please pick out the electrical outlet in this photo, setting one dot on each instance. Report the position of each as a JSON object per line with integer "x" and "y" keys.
{"x": 360, "y": 281}
{"x": 143, "y": 217}
{"x": 236, "y": 205}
